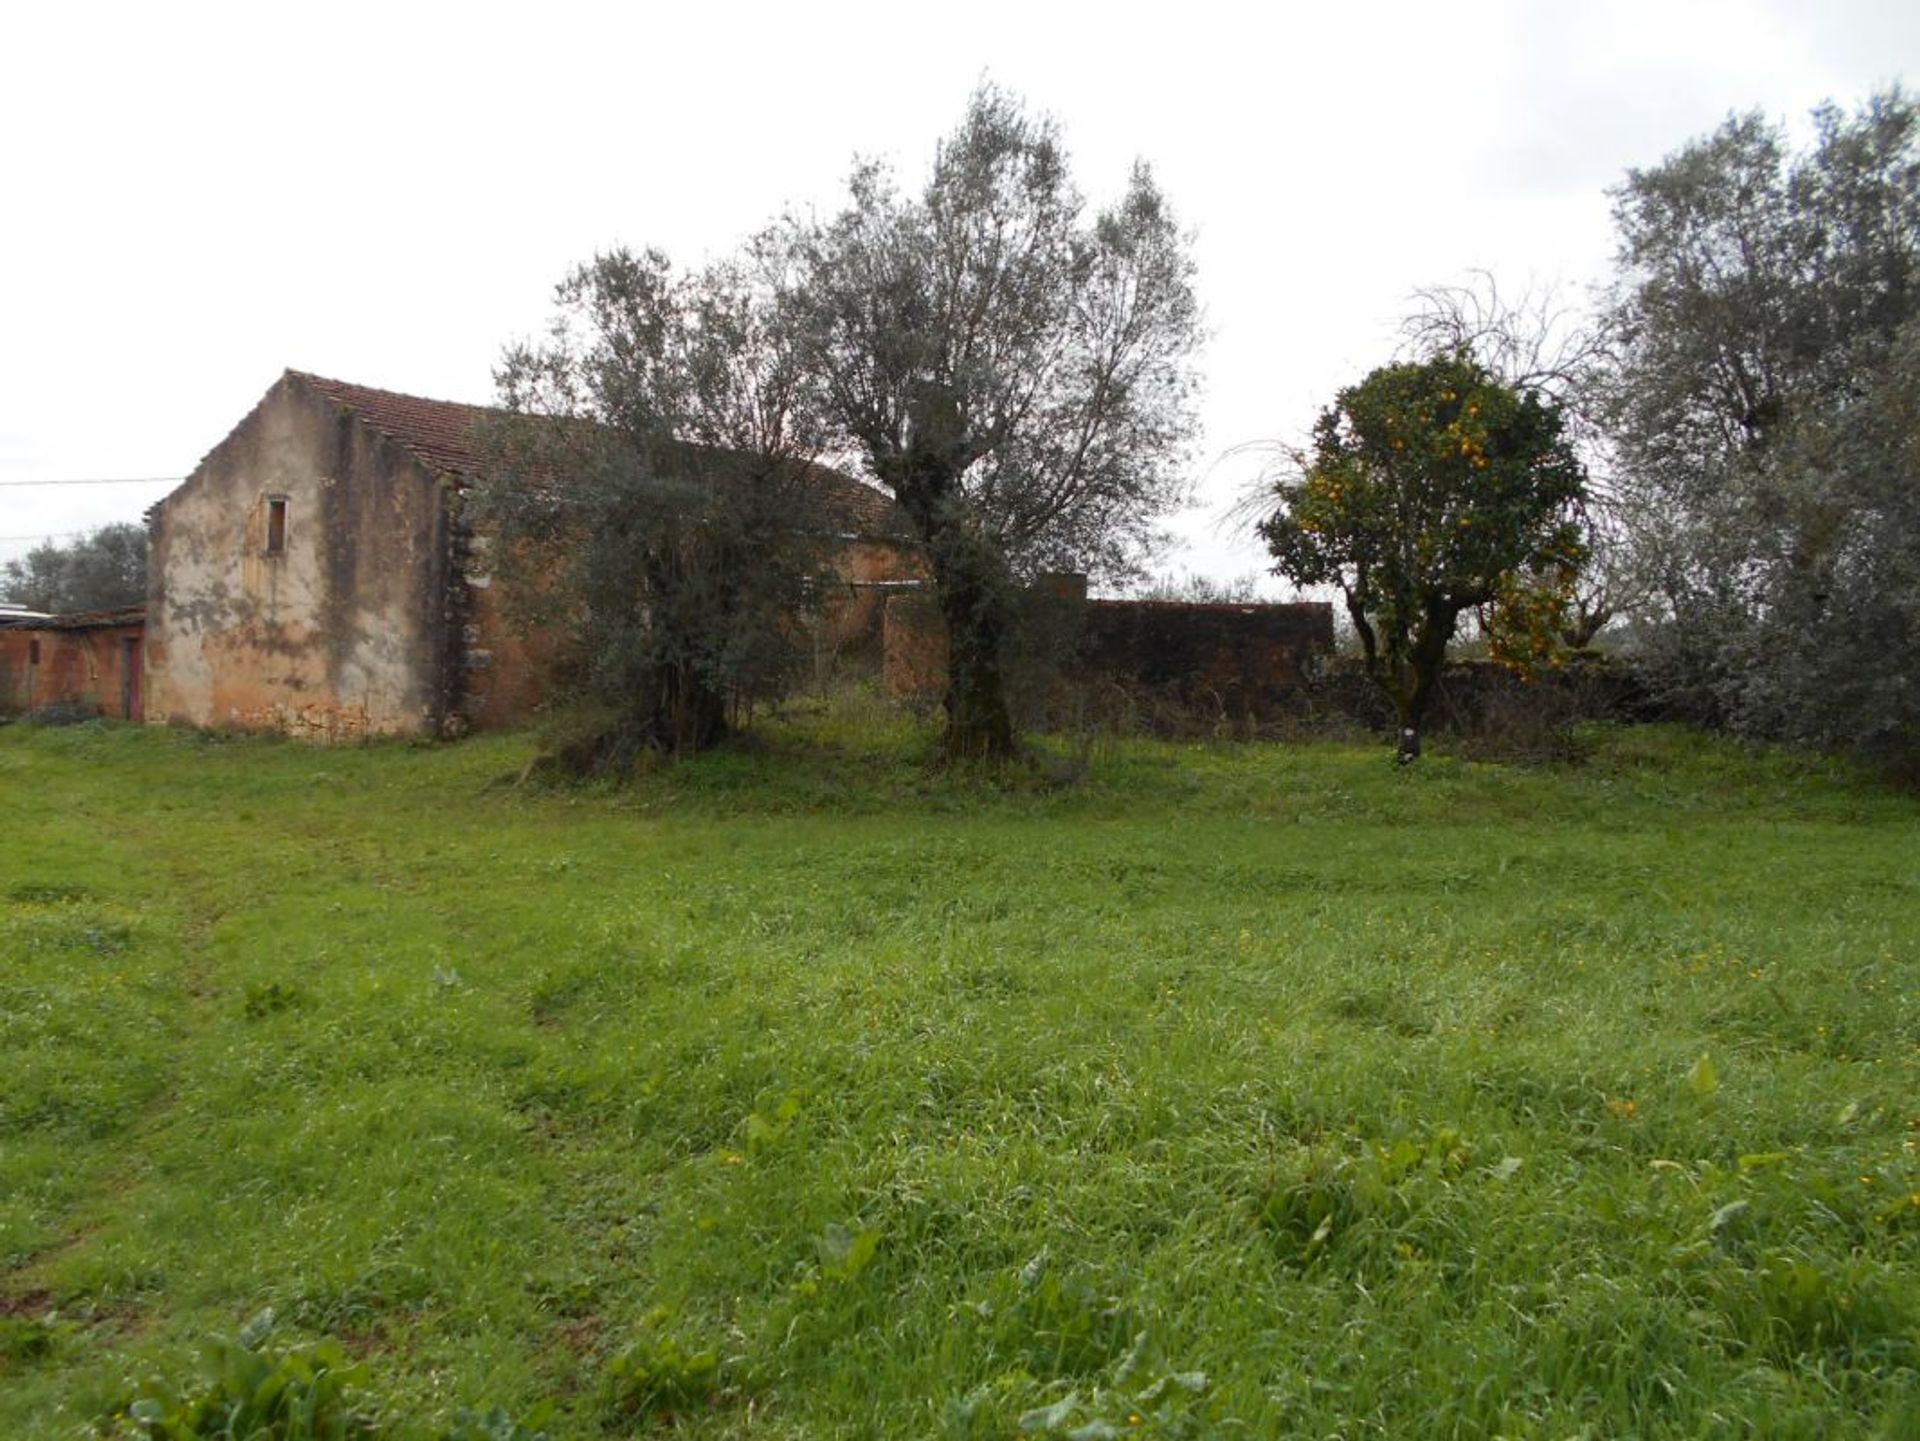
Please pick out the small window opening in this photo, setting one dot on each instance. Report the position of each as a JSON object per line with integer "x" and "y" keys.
{"x": 33, "y": 650}
{"x": 276, "y": 525}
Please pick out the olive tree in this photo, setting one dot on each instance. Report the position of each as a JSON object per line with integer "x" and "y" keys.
{"x": 101, "y": 570}
{"x": 1767, "y": 305}
{"x": 1428, "y": 488}
{"x": 653, "y": 502}
{"x": 1016, "y": 371}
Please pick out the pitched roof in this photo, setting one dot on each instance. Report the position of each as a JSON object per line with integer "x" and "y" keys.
{"x": 440, "y": 432}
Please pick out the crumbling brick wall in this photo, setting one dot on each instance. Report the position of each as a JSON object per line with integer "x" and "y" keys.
{"x": 1248, "y": 663}
{"x": 84, "y": 663}
{"x": 1245, "y": 662}
{"x": 913, "y": 647}
{"x": 16, "y": 670}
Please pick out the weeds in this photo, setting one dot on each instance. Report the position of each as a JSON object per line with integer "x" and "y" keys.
{"x": 656, "y": 1375}
{"x": 305, "y": 1393}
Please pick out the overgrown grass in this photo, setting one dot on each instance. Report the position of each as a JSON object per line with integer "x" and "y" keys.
{"x": 802, "y": 1091}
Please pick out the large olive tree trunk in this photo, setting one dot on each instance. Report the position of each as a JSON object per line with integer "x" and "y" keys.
{"x": 973, "y": 589}
{"x": 976, "y": 609}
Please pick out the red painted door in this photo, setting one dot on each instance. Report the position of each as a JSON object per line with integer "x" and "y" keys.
{"x": 130, "y": 677}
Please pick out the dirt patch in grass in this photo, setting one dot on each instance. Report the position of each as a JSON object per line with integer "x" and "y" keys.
{"x": 26, "y": 1305}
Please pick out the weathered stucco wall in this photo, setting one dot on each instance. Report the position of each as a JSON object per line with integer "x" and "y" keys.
{"x": 339, "y": 635}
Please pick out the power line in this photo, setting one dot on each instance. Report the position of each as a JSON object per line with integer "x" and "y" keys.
{"x": 115, "y": 480}
{"x": 45, "y": 535}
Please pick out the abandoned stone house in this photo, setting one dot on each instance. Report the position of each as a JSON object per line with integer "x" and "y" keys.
{"x": 313, "y": 576}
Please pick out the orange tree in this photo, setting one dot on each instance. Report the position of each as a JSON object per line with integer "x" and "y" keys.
{"x": 1430, "y": 489}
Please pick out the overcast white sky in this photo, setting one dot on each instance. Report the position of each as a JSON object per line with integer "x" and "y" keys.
{"x": 199, "y": 196}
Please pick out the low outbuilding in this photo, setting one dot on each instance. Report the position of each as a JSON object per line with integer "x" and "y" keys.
{"x": 72, "y": 665}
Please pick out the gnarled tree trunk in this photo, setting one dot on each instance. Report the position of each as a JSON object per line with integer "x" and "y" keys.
{"x": 690, "y": 715}
{"x": 976, "y": 609}
{"x": 974, "y": 592}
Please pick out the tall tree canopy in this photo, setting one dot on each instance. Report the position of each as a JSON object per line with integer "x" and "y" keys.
{"x": 102, "y": 570}
{"x": 653, "y": 501}
{"x": 1017, "y": 372}
{"x": 1767, "y": 306}
{"x": 1428, "y": 489}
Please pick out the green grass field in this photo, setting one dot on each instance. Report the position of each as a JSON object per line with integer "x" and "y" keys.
{"x": 798, "y": 1091}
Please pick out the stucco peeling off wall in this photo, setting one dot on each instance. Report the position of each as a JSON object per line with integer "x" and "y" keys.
{"x": 310, "y": 721}
{"x": 300, "y": 580}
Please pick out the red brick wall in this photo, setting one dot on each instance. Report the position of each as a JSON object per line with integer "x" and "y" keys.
{"x": 866, "y": 573}
{"x": 505, "y": 669}
{"x": 507, "y": 677}
{"x": 1246, "y": 661}
{"x": 913, "y": 648}
{"x": 78, "y": 665}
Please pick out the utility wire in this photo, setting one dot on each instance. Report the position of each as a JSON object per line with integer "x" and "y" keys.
{"x": 89, "y": 480}
{"x": 122, "y": 480}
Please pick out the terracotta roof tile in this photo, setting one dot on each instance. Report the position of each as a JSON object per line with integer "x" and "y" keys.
{"x": 440, "y": 432}
{"x": 870, "y": 511}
